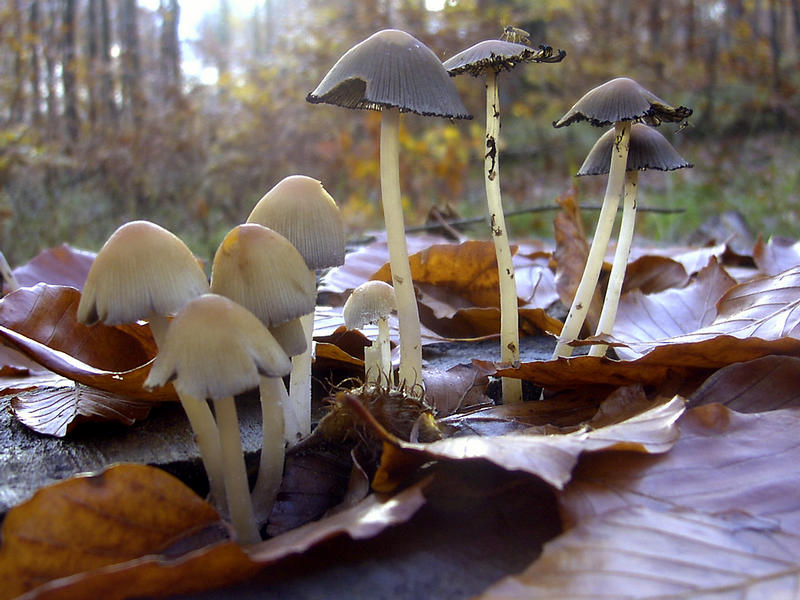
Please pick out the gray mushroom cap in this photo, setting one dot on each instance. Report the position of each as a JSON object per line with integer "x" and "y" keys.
{"x": 498, "y": 55}
{"x": 391, "y": 69}
{"x": 648, "y": 150}
{"x": 369, "y": 302}
{"x": 622, "y": 99}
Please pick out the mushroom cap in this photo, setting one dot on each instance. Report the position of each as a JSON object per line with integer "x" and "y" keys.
{"x": 648, "y": 150}
{"x": 300, "y": 209}
{"x": 215, "y": 348}
{"x": 391, "y": 69}
{"x": 622, "y": 99}
{"x": 261, "y": 270}
{"x": 498, "y": 55}
{"x": 141, "y": 270}
{"x": 290, "y": 336}
{"x": 369, "y": 302}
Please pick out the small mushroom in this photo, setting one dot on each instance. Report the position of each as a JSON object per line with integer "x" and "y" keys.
{"x": 300, "y": 209}
{"x": 145, "y": 272}
{"x": 648, "y": 150}
{"x": 261, "y": 270}
{"x": 618, "y": 102}
{"x": 393, "y": 72}
{"x": 373, "y": 302}
{"x": 215, "y": 349}
{"x": 489, "y": 58}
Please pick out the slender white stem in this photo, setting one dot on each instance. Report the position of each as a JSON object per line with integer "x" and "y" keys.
{"x": 300, "y": 382}
{"x": 7, "y": 275}
{"x": 270, "y": 469}
{"x": 509, "y": 318}
{"x": 237, "y": 487}
{"x": 407, "y": 312}
{"x": 623, "y": 252}
{"x": 605, "y": 223}
{"x": 372, "y": 364}
{"x": 203, "y": 425}
{"x": 385, "y": 348}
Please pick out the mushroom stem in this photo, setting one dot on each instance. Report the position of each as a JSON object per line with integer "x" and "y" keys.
{"x": 372, "y": 364}
{"x": 203, "y": 425}
{"x": 235, "y": 472}
{"x": 300, "y": 382}
{"x": 385, "y": 351}
{"x": 7, "y": 275}
{"x": 509, "y": 319}
{"x": 270, "y": 470}
{"x": 407, "y": 312}
{"x": 605, "y": 223}
{"x": 623, "y": 252}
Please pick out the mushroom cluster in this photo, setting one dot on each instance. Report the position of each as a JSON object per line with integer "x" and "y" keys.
{"x": 252, "y": 324}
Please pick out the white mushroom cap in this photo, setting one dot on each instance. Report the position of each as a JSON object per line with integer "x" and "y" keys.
{"x": 290, "y": 336}
{"x": 300, "y": 209}
{"x": 215, "y": 348}
{"x": 369, "y": 302}
{"x": 142, "y": 269}
{"x": 261, "y": 270}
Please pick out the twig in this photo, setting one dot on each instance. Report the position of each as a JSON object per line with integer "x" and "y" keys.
{"x": 525, "y": 211}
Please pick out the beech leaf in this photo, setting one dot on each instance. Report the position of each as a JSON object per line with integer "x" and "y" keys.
{"x": 61, "y": 265}
{"x": 776, "y": 255}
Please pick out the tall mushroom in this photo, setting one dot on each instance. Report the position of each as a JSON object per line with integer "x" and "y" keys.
{"x": 145, "y": 272}
{"x": 300, "y": 209}
{"x": 618, "y": 102}
{"x": 489, "y": 58}
{"x": 393, "y": 72}
{"x": 648, "y": 150}
{"x": 261, "y": 270}
{"x": 215, "y": 349}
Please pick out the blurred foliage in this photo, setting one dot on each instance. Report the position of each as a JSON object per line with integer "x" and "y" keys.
{"x": 195, "y": 153}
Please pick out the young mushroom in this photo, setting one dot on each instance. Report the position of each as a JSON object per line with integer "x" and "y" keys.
{"x": 393, "y": 72}
{"x": 489, "y": 58}
{"x": 215, "y": 349}
{"x": 144, "y": 272}
{"x": 648, "y": 150}
{"x": 618, "y": 102}
{"x": 373, "y": 302}
{"x": 261, "y": 270}
{"x": 300, "y": 209}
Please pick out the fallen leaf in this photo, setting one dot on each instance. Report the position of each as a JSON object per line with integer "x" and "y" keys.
{"x": 57, "y": 410}
{"x": 776, "y": 255}
{"x": 647, "y": 553}
{"x": 93, "y": 521}
{"x": 455, "y": 389}
{"x": 550, "y": 457}
{"x": 651, "y": 273}
{"x": 47, "y": 314}
{"x": 62, "y": 265}
{"x": 759, "y": 385}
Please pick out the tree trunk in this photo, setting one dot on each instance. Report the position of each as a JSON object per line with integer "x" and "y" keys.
{"x": 35, "y": 41}
{"x": 68, "y": 70}
{"x": 106, "y": 78}
{"x": 131, "y": 76}
{"x": 92, "y": 54}
{"x": 17, "y": 102}
{"x": 170, "y": 59}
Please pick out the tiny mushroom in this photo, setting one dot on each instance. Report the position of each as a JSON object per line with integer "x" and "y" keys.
{"x": 618, "y": 102}
{"x": 648, "y": 150}
{"x": 145, "y": 272}
{"x": 261, "y": 270}
{"x": 373, "y": 302}
{"x": 300, "y": 209}
{"x": 489, "y": 58}
{"x": 393, "y": 72}
{"x": 215, "y": 349}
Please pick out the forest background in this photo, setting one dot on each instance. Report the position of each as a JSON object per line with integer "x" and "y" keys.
{"x": 101, "y": 123}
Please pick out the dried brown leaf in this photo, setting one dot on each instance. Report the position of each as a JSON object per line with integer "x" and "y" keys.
{"x": 650, "y": 274}
{"x": 62, "y": 265}
{"x": 776, "y": 255}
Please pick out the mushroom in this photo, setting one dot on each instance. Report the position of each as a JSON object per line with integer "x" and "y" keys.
{"x": 619, "y": 102}
{"x": 300, "y": 209}
{"x": 373, "y": 302}
{"x": 215, "y": 349}
{"x": 145, "y": 272}
{"x": 648, "y": 150}
{"x": 393, "y": 72}
{"x": 489, "y": 58}
{"x": 261, "y": 270}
